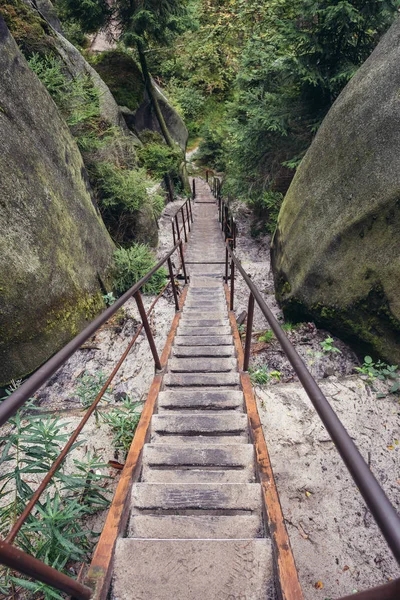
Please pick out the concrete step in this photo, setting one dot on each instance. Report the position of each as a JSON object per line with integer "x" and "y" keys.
{"x": 204, "y": 340}
{"x": 153, "y": 569}
{"x": 166, "y": 463}
{"x": 201, "y": 365}
{"x": 204, "y": 331}
{"x": 194, "y": 527}
{"x": 201, "y": 400}
{"x": 185, "y": 498}
{"x": 202, "y": 351}
{"x": 229, "y": 423}
{"x": 201, "y": 379}
{"x": 186, "y": 321}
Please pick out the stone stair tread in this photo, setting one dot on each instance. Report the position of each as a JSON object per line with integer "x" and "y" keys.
{"x": 237, "y": 456}
{"x": 231, "y": 423}
{"x": 201, "y": 379}
{"x": 199, "y": 322}
{"x": 203, "y": 340}
{"x": 198, "y": 475}
{"x": 202, "y": 351}
{"x": 239, "y": 438}
{"x": 185, "y": 330}
{"x": 192, "y": 569}
{"x": 228, "y": 497}
{"x": 195, "y": 527}
{"x": 201, "y": 365}
{"x": 199, "y": 399}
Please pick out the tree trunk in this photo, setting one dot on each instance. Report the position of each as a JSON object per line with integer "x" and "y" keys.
{"x": 153, "y": 98}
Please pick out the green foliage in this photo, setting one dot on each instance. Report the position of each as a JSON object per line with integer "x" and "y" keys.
{"x": 382, "y": 371}
{"x": 55, "y": 531}
{"x": 123, "y": 422}
{"x": 159, "y": 159}
{"x": 109, "y": 299}
{"x": 123, "y": 195}
{"x": 266, "y": 206}
{"x": 28, "y": 29}
{"x": 261, "y": 375}
{"x": 89, "y": 386}
{"x": 131, "y": 264}
{"x": 267, "y": 337}
{"x": 88, "y": 15}
{"x": 327, "y": 346}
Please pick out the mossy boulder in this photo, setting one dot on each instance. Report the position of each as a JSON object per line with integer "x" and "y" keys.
{"x": 124, "y": 78}
{"x": 336, "y": 249}
{"x": 55, "y": 253}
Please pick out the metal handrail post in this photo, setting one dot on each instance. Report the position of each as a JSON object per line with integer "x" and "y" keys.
{"x": 184, "y": 225}
{"x": 190, "y": 209}
{"x": 173, "y": 231}
{"x": 194, "y": 189}
{"x": 232, "y": 285}
{"x": 143, "y": 316}
{"x": 177, "y": 227}
{"x": 226, "y": 264}
{"x": 249, "y": 330}
{"x": 187, "y": 214}
{"x": 183, "y": 261}
{"x": 171, "y": 275}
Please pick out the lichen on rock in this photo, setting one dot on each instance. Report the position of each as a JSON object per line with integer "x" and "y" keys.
{"x": 336, "y": 250}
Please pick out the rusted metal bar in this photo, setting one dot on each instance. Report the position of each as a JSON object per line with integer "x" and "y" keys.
{"x": 60, "y": 459}
{"x": 183, "y": 223}
{"x": 378, "y": 503}
{"x": 234, "y": 234}
{"x": 143, "y": 316}
{"x": 232, "y": 283}
{"x": 183, "y": 263}
{"x": 206, "y": 176}
{"x": 226, "y": 265}
{"x": 388, "y": 591}
{"x": 10, "y": 405}
{"x": 173, "y": 231}
{"x": 190, "y": 210}
{"x": 287, "y": 579}
{"x": 194, "y": 189}
{"x": 32, "y": 567}
{"x": 171, "y": 275}
{"x": 187, "y": 214}
{"x": 177, "y": 226}
{"x": 249, "y": 329}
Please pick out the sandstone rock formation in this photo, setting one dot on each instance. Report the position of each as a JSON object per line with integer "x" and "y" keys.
{"x": 55, "y": 252}
{"x": 336, "y": 250}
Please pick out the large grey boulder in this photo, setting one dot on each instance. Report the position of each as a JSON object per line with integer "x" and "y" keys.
{"x": 55, "y": 252}
{"x": 336, "y": 250}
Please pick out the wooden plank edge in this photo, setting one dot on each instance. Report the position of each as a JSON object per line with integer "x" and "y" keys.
{"x": 99, "y": 574}
{"x": 288, "y": 579}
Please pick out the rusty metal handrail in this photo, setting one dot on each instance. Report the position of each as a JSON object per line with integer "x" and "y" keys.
{"x": 376, "y": 500}
{"x": 10, "y": 405}
{"x": 176, "y": 230}
{"x": 16, "y": 558}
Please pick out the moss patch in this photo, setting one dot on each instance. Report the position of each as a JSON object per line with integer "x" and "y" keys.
{"x": 123, "y": 77}
{"x": 367, "y": 325}
{"x": 30, "y": 31}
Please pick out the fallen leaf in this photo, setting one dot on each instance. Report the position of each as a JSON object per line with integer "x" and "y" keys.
{"x": 390, "y": 447}
{"x": 318, "y": 585}
{"x": 346, "y": 568}
{"x": 115, "y": 465}
{"x": 396, "y": 442}
{"x": 308, "y": 494}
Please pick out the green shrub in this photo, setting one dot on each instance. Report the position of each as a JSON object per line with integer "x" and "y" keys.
{"x": 159, "y": 159}
{"x": 123, "y": 422}
{"x": 267, "y": 207}
{"x": 131, "y": 264}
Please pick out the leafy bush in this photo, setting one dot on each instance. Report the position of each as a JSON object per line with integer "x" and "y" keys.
{"x": 267, "y": 337}
{"x": 123, "y": 422}
{"x": 262, "y": 375}
{"x": 159, "y": 159}
{"x": 327, "y": 346}
{"x": 382, "y": 371}
{"x": 131, "y": 264}
{"x": 267, "y": 207}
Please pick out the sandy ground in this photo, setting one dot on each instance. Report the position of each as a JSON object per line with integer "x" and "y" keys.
{"x": 337, "y": 546}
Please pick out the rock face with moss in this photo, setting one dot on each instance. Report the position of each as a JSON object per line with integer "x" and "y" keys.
{"x": 54, "y": 249}
{"x": 124, "y": 78}
{"x": 336, "y": 250}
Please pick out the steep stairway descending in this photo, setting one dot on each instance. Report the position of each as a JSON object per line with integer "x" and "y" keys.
{"x": 196, "y": 526}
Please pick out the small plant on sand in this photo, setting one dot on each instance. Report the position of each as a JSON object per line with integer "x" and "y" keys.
{"x": 327, "y": 346}
{"x": 123, "y": 422}
{"x": 89, "y": 386}
{"x": 267, "y": 337}
{"x": 381, "y": 371}
{"x": 262, "y": 375}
